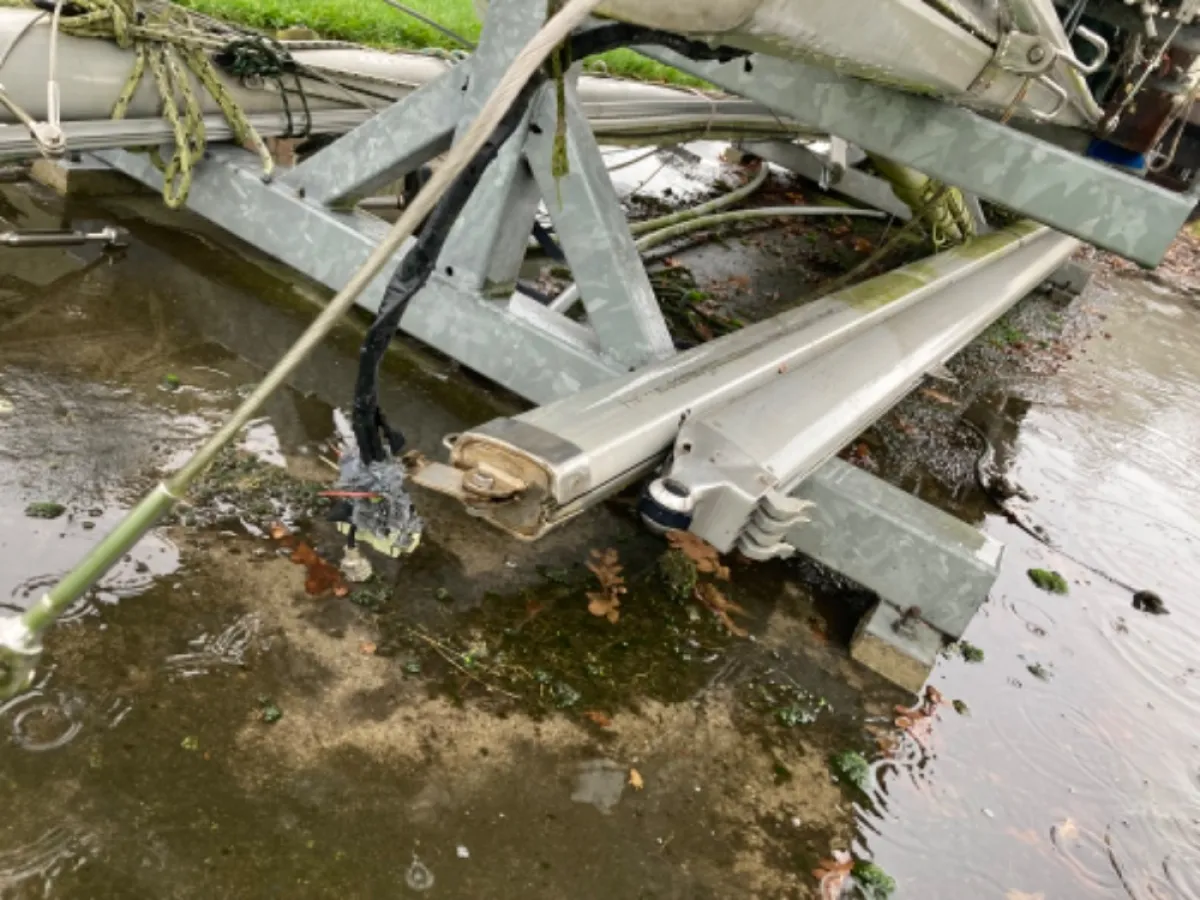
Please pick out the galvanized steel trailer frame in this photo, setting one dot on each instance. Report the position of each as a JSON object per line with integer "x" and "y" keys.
{"x": 470, "y": 310}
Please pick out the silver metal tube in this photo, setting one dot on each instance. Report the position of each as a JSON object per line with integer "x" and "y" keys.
{"x": 29, "y": 239}
{"x": 600, "y": 435}
{"x": 728, "y": 460}
{"x": 570, "y": 294}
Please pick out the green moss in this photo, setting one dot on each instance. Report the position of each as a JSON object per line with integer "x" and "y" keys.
{"x": 1048, "y": 580}
{"x": 271, "y": 713}
{"x": 546, "y": 653}
{"x": 239, "y": 485}
{"x": 1037, "y": 670}
{"x": 372, "y": 595}
{"x": 45, "y": 510}
{"x": 678, "y": 572}
{"x": 969, "y": 652}
{"x": 1005, "y": 334}
{"x": 851, "y": 768}
{"x": 875, "y": 883}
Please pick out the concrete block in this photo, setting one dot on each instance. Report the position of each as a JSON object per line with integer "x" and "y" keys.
{"x": 903, "y": 549}
{"x": 86, "y": 178}
{"x": 901, "y": 649}
{"x": 1072, "y": 277}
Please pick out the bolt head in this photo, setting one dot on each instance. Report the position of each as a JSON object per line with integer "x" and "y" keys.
{"x": 1037, "y": 53}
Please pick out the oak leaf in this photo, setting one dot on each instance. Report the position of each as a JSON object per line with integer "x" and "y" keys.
{"x": 938, "y": 396}
{"x": 711, "y": 597}
{"x": 606, "y": 566}
{"x": 699, "y": 551}
{"x": 833, "y": 874}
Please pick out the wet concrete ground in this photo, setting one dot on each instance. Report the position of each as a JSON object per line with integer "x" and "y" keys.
{"x": 143, "y": 764}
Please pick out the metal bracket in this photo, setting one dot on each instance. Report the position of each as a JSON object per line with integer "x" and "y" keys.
{"x": 1030, "y": 55}
{"x": 468, "y": 309}
{"x": 1024, "y": 54}
{"x": 1082, "y": 197}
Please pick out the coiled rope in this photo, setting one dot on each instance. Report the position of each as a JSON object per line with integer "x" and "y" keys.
{"x": 174, "y": 50}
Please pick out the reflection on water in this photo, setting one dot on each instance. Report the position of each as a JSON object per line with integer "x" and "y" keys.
{"x": 1084, "y": 785}
{"x": 211, "y": 651}
{"x": 38, "y": 863}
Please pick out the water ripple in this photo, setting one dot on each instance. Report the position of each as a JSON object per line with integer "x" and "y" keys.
{"x": 61, "y": 849}
{"x": 40, "y": 721}
{"x": 208, "y": 652}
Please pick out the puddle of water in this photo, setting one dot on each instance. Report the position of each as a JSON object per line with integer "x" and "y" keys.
{"x": 599, "y": 782}
{"x": 1083, "y": 785}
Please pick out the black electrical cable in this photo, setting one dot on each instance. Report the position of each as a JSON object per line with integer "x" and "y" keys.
{"x": 370, "y": 426}
{"x": 371, "y": 429}
{"x": 610, "y": 36}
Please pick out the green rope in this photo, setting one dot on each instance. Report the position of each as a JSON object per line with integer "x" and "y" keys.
{"x": 174, "y": 51}
{"x": 560, "y": 62}
{"x": 942, "y": 208}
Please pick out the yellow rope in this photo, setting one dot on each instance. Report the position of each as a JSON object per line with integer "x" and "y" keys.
{"x": 942, "y": 207}
{"x": 175, "y": 52}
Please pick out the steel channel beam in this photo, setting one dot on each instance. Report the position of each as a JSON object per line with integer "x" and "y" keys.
{"x": 540, "y": 355}
{"x": 594, "y": 233}
{"x": 228, "y": 189}
{"x": 1079, "y": 196}
{"x": 875, "y": 192}
{"x": 387, "y": 146}
{"x": 591, "y": 441}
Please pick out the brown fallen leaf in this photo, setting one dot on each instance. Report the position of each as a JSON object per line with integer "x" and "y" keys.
{"x": 635, "y": 780}
{"x": 598, "y": 717}
{"x": 699, "y": 551}
{"x": 710, "y": 596}
{"x": 833, "y": 874}
{"x": 671, "y": 262}
{"x": 938, "y": 396}
{"x": 606, "y": 566}
{"x": 322, "y": 577}
{"x": 604, "y": 606}
{"x": 861, "y": 244}
{"x": 279, "y": 531}
{"x": 367, "y": 647}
